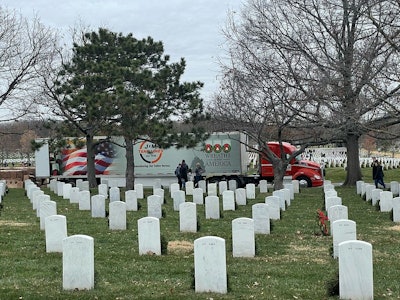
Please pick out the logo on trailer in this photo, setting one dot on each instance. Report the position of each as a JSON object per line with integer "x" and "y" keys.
{"x": 149, "y": 152}
{"x": 208, "y": 148}
{"x": 217, "y": 148}
{"x": 227, "y": 148}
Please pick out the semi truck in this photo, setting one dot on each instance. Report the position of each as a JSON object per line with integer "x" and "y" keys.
{"x": 223, "y": 156}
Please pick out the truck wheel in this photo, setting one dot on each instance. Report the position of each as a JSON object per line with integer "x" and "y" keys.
{"x": 304, "y": 181}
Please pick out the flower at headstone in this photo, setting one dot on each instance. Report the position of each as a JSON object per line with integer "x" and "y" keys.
{"x": 321, "y": 222}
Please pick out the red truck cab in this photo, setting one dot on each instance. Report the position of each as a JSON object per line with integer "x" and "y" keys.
{"x": 309, "y": 173}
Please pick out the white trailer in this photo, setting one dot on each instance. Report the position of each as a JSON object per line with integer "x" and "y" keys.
{"x": 222, "y": 156}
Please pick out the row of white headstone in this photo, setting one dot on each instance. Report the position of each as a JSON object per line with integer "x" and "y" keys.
{"x": 74, "y": 277}
{"x": 354, "y": 256}
{"x": 334, "y": 162}
{"x": 387, "y": 200}
{"x": 78, "y": 250}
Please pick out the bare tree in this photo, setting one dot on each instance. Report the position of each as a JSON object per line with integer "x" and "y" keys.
{"x": 26, "y": 140}
{"x": 25, "y": 49}
{"x": 327, "y": 61}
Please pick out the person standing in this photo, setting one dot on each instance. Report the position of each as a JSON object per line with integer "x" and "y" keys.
{"x": 197, "y": 174}
{"x": 377, "y": 174}
{"x": 178, "y": 175}
{"x": 184, "y": 173}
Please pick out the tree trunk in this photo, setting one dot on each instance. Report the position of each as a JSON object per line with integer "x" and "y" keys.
{"x": 353, "y": 161}
{"x": 91, "y": 170}
{"x": 279, "y": 172}
{"x": 130, "y": 165}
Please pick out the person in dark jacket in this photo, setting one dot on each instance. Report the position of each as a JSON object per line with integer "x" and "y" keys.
{"x": 178, "y": 174}
{"x": 198, "y": 174}
{"x": 377, "y": 174}
{"x": 184, "y": 173}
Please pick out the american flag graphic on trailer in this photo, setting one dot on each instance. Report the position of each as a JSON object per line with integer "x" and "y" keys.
{"x": 75, "y": 160}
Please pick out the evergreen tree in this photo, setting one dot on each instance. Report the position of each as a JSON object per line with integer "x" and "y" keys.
{"x": 120, "y": 85}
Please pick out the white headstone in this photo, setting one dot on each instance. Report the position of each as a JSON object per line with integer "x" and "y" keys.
{"x": 212, "y": 189}
{"x": 74, "y": 195}
{"x": 260, "y": 216}
{"x": 240, "y": 196}
{"x": 47, "y": 208}
{"x": 274, "y": 206}
{"x": 356, "y": 270}
{"x": 368, "y": 192}
{"x": 157, "y": 184}
{"x": 203, "y": 185}
{"x": 115, "y": 194}
{"x": 149, "y": 235}
{"x": 178, "y": 197}
{"x": 394, "y": 188}
{"x": 174, "y": 187}
{"x": 131, "y": 200}
{"x": 263, "y": 184}
{"x": 329, "y": 187}
{"x": 188, "y": 217}
{"x": 139, "y": 190}
{"x": 385, "y": 201}
{"x": 38, "y": 197}
{"x": 251, "y": 191}
{"x": 342, "y": 230}
{"x": 31, "y": 188}
{"x": 67, "y": 190}
{"x": 189, "y": 186}
{"x": 331, "y": 201}
{"x": 52, "y": 185}
{"x": 296, "y": 186}
{"x": 337, "y": 212}
{"x": 363, "y": 185}
{"x": 222, "y": 187}
{"x": 35, "y": 194}
{"x": 103, "y": 189}
{"x": 243, "y": 240}
{"x": 359, "y": 184}
{"x": 212, "y": 207}
{"x": 160, "y": 192}
{"x": 232, "y": 185}
{"x": 84, "y": 200}
{"x": 228, "y": 200}
{"x": 78, "y": 262}
{"x": 281, "y": 195}
{"x": 290, "y": 187}
{"x": 198, "y": 196}
{"x": 396, "y": 209}
{"x": 60, "y": 188}
{"x": 375, "y": 195}
{"x": 210, "y": 265}
{"x": 117, "y": 216}
{"x": 98, "y": 206}
{"x": 79, "y": 183}
{"x": 3, "y": 187}
{"x": 154, "y": 206}
{"x": 330, "y": 193}
{"x": 286, "y": 193}
{"x": 84, "y": 186}
{"x": 55, "y": 231}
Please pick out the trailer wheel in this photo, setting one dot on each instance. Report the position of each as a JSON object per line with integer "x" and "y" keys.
{"x": 304, "y": 181}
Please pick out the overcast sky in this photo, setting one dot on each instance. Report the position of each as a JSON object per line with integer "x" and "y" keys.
{"x": 188, "y": 29}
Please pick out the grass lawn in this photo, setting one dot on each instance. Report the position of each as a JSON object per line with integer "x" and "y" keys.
{"x": 293, "y": 262}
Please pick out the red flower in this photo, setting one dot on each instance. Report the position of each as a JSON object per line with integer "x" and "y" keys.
{"x": 321, "y": 221}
